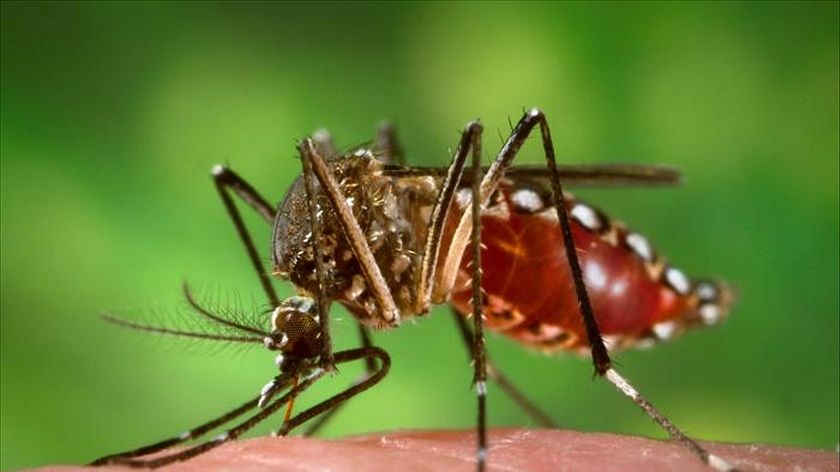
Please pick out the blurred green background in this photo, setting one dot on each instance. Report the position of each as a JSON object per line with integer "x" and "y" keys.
{"x": 113, "y": 114}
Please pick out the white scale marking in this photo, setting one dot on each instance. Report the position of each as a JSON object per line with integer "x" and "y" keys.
{"x": 528, "y": 200}
{"x": 267, "y": 387}
{"x": 710, "y": 313}
{"x": 640, "y": 245}
{"x": 706, "y": 292}
{"x": 266, "y": 393}
{"x": 622, "y": 384}
{"x": 665, "y": 329}
{"x": 481, "y": 388}
{"x": 275, "y": 316}
{"x": 586, "y": 216}
{"x": 677, "y": 280}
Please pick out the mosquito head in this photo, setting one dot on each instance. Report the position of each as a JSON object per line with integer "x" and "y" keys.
{"x": 295, "y": 331}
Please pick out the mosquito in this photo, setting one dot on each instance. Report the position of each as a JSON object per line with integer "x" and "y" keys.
{"x": 504, "y": 245}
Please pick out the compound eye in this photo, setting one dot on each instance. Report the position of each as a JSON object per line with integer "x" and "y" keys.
{"x": 291, "y": 307}
{"x": 296, "y": 321}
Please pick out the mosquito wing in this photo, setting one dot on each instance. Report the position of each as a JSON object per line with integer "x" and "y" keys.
{"x": 577, "y": 175}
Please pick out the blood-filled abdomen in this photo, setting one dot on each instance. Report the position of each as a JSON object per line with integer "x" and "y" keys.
{"x": 529, "y": 294}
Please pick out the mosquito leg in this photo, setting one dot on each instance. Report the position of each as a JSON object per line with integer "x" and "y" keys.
{"x": 387, "y": 145}
{"x": 426, "y": 288}
{"x": 186, "y": 436}
{"x": 225, "y": 179}
{"x": 324, "y": 143}
{"x": 230, "y": 434}
{"x": 315, "y": 164}
{"x": 599, "y": 353}
{"x": 370, "y": 369}
{"x": 429, "y": 291}
{"x": 624, "y": 386}
{"x": 282, "y": 381}
{"x": 443, "y": 280}
{"x": 371, "y": 354}
{"x": 496, "y": 375}
{"x": 327, "y": 359}
{"x": 479, "y": 344}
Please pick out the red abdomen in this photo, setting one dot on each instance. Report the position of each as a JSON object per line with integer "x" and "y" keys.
{"x": 530, "y": 296}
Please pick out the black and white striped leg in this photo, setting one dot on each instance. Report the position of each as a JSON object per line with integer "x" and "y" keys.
{"x": 600, "y": 358}
{"x": 479, "y": 345}
{"x": 539, "y": 416}
{"x": 128, "y": 457}
{"x": 134, "y": 458}
{"x": 624, "y": 386}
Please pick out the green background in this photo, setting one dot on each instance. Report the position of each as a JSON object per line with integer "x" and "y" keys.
{"x": 113, "y": 114}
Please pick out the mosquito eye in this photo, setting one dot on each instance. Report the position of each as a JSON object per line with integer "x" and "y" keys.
{"x": 291, "y": 307}
{"x": 296, "y": 321}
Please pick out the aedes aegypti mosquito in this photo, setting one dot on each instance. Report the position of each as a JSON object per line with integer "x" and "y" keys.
{"x": 388, "y": 241}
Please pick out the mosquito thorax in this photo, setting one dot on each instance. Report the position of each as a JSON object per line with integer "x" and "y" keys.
{"x": 393, "y": 215}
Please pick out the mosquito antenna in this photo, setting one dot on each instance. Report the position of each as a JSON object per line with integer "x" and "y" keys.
{"x": 218, "y": 319}
{"x": 187, "y": 334}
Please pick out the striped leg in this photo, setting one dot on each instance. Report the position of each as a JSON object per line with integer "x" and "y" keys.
{"x": 134, "y": 458}
{"x": 443, "y": 280}
{"x": 600, "y": 358}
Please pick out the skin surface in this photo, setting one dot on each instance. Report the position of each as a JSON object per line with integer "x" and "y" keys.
{"x": 511, "y": 450}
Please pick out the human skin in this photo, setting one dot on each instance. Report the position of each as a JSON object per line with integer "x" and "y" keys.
{"x": 510, "y": 450}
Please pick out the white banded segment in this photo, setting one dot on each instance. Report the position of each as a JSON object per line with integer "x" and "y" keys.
{"x": 713, "y": 300}
{"x": 665, "y": 330}
{"x": 677, "y": 280}
{"x": 526, "y": 200}
{"x": 640, "y": 246}
{"x": 587, "y": 217}
{"x": 709, "y": 313}
{"x": 708, "y": 302}
{"x": 706, "y": 292}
